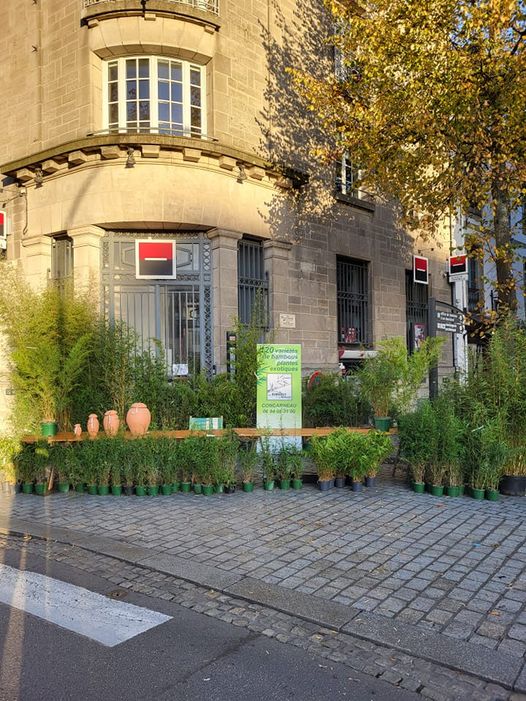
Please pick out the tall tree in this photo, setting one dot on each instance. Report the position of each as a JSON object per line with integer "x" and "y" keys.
{"x": 431, "y": 103}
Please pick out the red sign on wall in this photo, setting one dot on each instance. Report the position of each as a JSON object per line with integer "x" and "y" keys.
{"x": 155, "y": 260}
{"x": 421, "y": 270}
{"x": 458, "y": 265}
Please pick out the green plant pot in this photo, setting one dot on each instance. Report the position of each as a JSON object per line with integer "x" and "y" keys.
{"x": 437, "y": 490}
{"x": 140, "y": 490}
{"x": 219, "y": 488}
{"x": 477, "y": 493}
{"x": 166, "y": 489}
{"x": 153, "y": 490}
{"x": 40, "y": 488}
{"x": 80, "y": 487}
{"x": 92, "y": 488}
{"x": 63, "y": 487}
{"x": 492, "y": 494}
{"x": 175, "y": 487}
{"x": 268, "y": 485}
{"x": 382, "y": 423}
{"x": 248, "y": 486}
{"x": 297, "y": 484}
{"x": 461, "y": 490}
{"x": 208, "y": 490}
{"x": 186, "y": 487}
{"x": 198, "y": 488}
{"x": 116, "y": 490}
{"x": 27, "y": 488}
{"x": 419, "y": 487}
{"x": 103, "y": 490}
{"x": 284, "y": 484}
{"x": 48, "y": 428}
{"x": 452, "y": 491}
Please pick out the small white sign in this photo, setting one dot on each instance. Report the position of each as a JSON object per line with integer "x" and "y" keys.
{"x": 287, "y": 321}
{"x": 180, "y": 369}
{"x": 279, "y": 386}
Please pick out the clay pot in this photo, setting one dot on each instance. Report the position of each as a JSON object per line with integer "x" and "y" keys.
{"x": 92, "y": 425}
{"x": 138, "y": 419}
{"x": 111, "y": 422}
{"x": 77, "y": 430}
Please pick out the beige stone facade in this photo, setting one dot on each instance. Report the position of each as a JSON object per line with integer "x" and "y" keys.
{"x": 249, "y": 175}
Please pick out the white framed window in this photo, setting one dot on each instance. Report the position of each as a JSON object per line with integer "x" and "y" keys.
{"x": 154, "y": 94}
{"x": 347, "y": 177}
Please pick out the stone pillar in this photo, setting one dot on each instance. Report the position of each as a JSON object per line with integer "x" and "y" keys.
{"x": 224, "y": 286}
{"x": 86, "y": 257}
{"x": 276, "y": 256}
{"x": 36, "y": 260}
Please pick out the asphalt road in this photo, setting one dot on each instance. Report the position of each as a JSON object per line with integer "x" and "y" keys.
{"x": 191, "y": 657}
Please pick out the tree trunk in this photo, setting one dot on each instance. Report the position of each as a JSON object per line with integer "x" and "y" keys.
{"x": 504, "y": 255}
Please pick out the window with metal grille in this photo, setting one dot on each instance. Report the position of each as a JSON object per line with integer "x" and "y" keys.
{"x": 474, "y": 284}
{"x": 61, "y": 260}
{"x": 352, "y": 295}
{"x": 416, "y": 305}
{"x": 252, "y": 281}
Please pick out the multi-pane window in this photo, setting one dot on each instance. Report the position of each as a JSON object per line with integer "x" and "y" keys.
{"x": 252, "y": 281}
{"x": 352, "y": 296}
{"x": 155, "y": 95}
{"x": 416, "y": 306}
{"x": 347, "y": 177}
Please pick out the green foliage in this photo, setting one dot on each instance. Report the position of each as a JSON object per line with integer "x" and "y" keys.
{"x": 268, "y": 459}
{"x": 323, "y": 457}
{"x": 390, "y": 379}
{"x": 9, "y": 449}
{"x": 24, "y": 464}
{"x": 248, "y": 460}
{"x": 334, "y": 401}
{"x": 48, "y": 336}
{"x": 65, "y": 459}
{"x": 418, "y": 439}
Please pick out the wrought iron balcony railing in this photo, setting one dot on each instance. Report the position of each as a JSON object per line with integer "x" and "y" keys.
{"x": 205, "y": 5}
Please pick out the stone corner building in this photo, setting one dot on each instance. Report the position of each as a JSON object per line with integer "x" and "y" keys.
{"x": 175, "y": 120}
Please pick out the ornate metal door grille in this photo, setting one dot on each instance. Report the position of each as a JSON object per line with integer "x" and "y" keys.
{"x": 178, "y": 313}
{"x": 352, "y": 295}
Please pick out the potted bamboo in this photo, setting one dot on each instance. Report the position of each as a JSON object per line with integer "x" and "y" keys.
{"x": 321, "y": 455}
{"x": 248, "y": 459}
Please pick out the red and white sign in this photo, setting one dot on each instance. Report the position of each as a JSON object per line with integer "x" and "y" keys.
{"x": 458, "y": 267}
{"x": 3, "y": 230}
{"x": 421, "y": 270}
{"x": 155, "y": 260}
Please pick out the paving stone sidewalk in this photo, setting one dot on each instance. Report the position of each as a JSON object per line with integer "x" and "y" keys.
{"x": 455, "y": 566}
{"x": 430, "y": 680}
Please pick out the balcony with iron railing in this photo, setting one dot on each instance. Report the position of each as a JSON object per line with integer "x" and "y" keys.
{"x": 203, "y": 12}
{"x": 204, "y": 5}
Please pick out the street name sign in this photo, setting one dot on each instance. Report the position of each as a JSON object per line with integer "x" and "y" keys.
{"x": 452, "y": 322}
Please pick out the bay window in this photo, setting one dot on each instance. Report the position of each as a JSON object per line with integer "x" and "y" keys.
{"x": 153, "y": 94}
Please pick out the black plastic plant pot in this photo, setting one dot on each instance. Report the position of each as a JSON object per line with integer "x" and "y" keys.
{"x": 339, "y": 482}
{"x": 128, "y": 490}
{"x": 230, "y": 488}
{"x": 513, "y": 486}
{"x": 325, "y": 485}
{"x": 370, "y": 481}
{"x": 357, "y": 486}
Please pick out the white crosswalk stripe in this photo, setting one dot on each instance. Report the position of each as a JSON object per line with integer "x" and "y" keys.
{"x": 75, "y": 608}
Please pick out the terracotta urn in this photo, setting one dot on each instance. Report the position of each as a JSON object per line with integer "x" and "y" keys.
{"x": 138, "y": 419}
{"x": 111, "y": 422}
{"x": 92, "y": 425}
{"x": 77, "y": 430}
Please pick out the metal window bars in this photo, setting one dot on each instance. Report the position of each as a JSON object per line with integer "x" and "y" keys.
{"x": 252, "y": 281}
{"x": 352, "y": 294}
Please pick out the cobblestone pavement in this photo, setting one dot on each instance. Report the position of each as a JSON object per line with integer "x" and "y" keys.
{"x": 430, "y": 680}
{"x": 456, "y": 566}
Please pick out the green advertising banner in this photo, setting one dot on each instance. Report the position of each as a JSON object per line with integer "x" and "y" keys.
{"x": 279, "y": 386}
